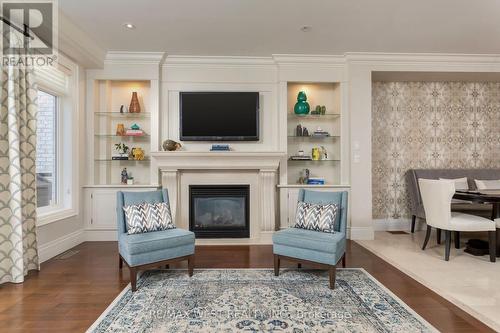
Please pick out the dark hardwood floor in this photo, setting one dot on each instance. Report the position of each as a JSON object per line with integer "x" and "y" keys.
{"x": 68, "y": 295}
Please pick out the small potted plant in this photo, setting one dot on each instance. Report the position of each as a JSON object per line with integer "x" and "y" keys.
{"x": 122, "y": 150}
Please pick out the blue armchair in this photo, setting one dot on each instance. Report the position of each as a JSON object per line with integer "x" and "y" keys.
{"x": 150, "y": 249}
{"x": 307, "y": 246}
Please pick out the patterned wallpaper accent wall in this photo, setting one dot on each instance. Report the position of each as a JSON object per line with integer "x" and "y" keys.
{"x": 429, "y": 125}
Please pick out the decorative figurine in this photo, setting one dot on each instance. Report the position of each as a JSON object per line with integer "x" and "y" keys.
{"x": 171, "y": 145}
{"x": 305, "y": 132}
{"x": 124, "y": 175}
{"x": 323, "y": 109}
{"x": 304, "y": 177}
{"x": 137, "y": 154}
{"x": 134, "y": 107}
{"x": 123, "y": 109}
{"x": 301, "y": 107}
{"x": 298, "y": 130}
{"x": 135, "y": 127}
{"x": 317, "y": 110}
{"x": 324, "y": 153}
{"x": 120, "y": 129}
{"x": 315, "y": 154}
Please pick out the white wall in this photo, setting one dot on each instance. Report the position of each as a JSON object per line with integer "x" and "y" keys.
{"x": 220, "y": 74}
{"x": 61, "y": 235}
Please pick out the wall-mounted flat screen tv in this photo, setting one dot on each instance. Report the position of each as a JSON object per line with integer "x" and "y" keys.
{"x": 219, "y": 116}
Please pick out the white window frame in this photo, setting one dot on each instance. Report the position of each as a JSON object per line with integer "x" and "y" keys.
{"x": 67, "y": 150}
{"x": 42, "y": 211}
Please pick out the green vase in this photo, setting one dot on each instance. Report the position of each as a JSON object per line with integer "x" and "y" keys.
{"x": 301, "y": 107}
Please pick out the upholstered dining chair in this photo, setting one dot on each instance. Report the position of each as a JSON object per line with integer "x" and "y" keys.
{"x": 315, "y": 247}
{"x": 436, "y": 197}
{"x": 150, "y": 249}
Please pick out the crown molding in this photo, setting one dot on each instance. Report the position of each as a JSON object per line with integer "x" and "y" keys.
{"x": 77, "y": 45}
{"x": 216, "y": 60}
{"x": 309, "y": 59}
{"x": 445, "y": 58}
{"x": 135, "y": 58}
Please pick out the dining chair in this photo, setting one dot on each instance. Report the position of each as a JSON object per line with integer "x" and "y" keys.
{"x": 436, "y": 197}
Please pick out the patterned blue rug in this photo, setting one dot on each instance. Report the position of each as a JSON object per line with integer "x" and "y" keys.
{"x": 249, "y": 300}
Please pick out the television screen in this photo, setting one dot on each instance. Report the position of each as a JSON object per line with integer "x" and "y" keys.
{"x": 219, "y": 116}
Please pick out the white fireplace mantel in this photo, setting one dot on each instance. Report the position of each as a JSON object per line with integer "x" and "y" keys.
{"x": 187, "y": 160}
{"x": 182, "y": 168}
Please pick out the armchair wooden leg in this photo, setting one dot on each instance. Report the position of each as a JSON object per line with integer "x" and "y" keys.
{"x": 191, "y": 265}
{"x": 276, "y": 265}
{"x": 447, "y": 239}
{"x": 331, "y": 275}
{"x": 492, "y": 242}
{"x": 167, "y": 266}
{"x": 133, "y": 278}
{"x": 343, "y": 261}
{"x": 299, "y": 265}
{"x": 457, "y": 239}
{"x": 120, "y": 262}
{"x": 427, "y": 236}
{"x": 438, "y": 234}
{"x": 413, "y": 221}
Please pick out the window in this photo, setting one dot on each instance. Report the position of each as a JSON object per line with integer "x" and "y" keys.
{"x": 46, "y": 150}
{"x": 57, "y": 138}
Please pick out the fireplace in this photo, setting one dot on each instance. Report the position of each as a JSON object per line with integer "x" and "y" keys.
{"x": 219, "y": 211}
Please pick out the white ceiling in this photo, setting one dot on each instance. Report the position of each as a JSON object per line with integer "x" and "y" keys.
{"x": 265, "y": 27}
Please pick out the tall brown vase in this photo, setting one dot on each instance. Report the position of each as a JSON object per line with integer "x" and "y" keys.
{"x": 135, "y": 107}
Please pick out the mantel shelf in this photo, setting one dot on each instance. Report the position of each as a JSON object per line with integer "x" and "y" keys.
{"x": 227, "y": 160}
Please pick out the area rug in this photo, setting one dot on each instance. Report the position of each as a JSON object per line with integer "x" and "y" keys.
{"x": 249, "y": 300}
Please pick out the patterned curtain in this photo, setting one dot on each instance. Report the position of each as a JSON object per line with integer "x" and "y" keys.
{"x": 18, "y": 246}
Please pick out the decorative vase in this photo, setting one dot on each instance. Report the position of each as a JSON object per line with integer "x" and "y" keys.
{"x": 301, "y": 107}
{"x": 134, "y": 107}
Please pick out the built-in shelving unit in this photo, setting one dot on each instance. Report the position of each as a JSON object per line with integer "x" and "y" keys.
{"x": 328, "y": 165}
{"x": 111, "y": 96}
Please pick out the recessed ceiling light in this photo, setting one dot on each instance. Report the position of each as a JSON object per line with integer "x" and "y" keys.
{"x": 305, "y": 28}
{"x": 129, "y": 25}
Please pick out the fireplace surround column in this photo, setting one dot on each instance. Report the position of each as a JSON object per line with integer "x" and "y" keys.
{"x": 170, "y": 181}
{"x": 267, "y": 180}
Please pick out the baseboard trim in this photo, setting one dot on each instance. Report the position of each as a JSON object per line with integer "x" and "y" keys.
{"x": 361, "y": 233}
{"x": 403, "y": 224}
{"x": 57, "y": 246}
{"x": 100, "y": 235}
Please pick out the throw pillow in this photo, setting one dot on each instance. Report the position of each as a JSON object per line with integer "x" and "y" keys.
{"x": 316, "y": 217}
{"x": 146, "y": 217}
{"x": 487, "y": 184}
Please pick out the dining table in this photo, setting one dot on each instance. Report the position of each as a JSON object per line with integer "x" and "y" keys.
{"x": 490, "y": 197}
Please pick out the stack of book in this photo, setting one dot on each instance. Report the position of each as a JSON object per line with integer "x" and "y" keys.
{"x": 316, "y": 181}
{"x": 219, "y": 148}
{"x": 320, "y": 133}
{"x": 119, "y": 158}
{"x": 301, "y": 158}
{"x": 131, "y": 132}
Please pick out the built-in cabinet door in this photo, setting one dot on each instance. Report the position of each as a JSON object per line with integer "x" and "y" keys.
{"x": 102, "y": 209}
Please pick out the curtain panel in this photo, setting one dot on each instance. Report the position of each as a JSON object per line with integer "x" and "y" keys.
{"x": 18, "y": 113}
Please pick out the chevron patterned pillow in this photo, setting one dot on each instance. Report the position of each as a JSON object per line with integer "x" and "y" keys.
{"x": 316, "y": 217}
{"x": 147, "y": 217}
